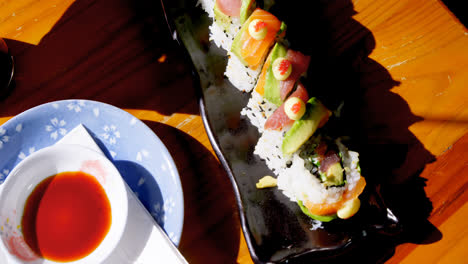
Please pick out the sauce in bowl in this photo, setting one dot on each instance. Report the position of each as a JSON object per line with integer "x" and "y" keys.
{"x": 66, "y": 216}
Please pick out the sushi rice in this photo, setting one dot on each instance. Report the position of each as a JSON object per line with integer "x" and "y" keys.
{"x": 258, "y": 110}
{"x": 207, "y": 6}
{"x": 221, "y": 35}
{"x": 242, "y": 77}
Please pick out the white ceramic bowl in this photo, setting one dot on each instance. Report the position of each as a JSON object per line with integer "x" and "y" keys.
{"x": 42, "y": 164}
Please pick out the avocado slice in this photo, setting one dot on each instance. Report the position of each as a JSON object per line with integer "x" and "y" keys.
{"x": 305, "y": 127}
{"x": 220, "y": 18}
{"x": 282, "y": 31}
{"x": 236, "y": 43}
{"x": 334, "y": 175}
{"x": 247, "y": 7}
{"x": 321, "y": 218}
{"x": 272, "y": 85}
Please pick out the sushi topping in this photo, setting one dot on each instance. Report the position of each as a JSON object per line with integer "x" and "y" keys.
{"x": 266, "y": 182}
{"x": 282, "y": 68}
{"x": 258, "y": 29}
{"x": 349, "y": 208}
{"x": 300, "y": 63}
{"x": 229, "y": 7}
{"x": 250, "y": 51}
{"x": 259, "y": 25}
{"x": 279, "y": 119}
{"x": 294, "y": 108}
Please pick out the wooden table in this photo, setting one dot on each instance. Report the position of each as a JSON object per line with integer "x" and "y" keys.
{"x": 120, "y": 52}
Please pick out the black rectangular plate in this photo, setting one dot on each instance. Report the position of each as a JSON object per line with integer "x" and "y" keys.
{"x": 275, "y": 229}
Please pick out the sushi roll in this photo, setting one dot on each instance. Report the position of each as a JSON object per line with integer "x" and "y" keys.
{"x": 250, "y": 47}
{"x": 323, "y": 177}
{"x": 280, "y": 73}
{"x": 278, "y": 80}
{"x": 315, "y": 171}
{"x": 318, "y": 173}
{"x": 246, "y": 33}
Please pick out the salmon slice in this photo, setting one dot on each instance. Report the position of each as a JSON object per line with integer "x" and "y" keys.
{"x": 254, "y": 51}
{"x": 332, "y": 208}
{"x": 300, "y": 63}
{"x": 260, "y": 88}
{"x": 279, "y": 120}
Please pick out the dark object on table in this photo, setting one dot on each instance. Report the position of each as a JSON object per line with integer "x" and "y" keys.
{"x": 7, "y": 67}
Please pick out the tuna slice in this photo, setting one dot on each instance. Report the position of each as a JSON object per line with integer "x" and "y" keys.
{"x": 229, "y": 7}
{"x": 328, "y": 159}
{"x": 279, "y": 120}
{"x": 300, "y": 63}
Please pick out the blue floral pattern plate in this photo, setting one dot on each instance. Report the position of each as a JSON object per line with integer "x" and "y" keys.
{"x": 139, "y": 155}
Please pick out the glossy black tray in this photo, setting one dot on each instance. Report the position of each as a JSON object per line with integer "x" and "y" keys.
{"x": 275, "y": 229}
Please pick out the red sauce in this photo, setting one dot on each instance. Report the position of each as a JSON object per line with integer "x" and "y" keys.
{"x": 259, "y": 25}
{"x": 296, "y": 107}
{"x": 66, "y": 216}
{"x": 284, "y": 66}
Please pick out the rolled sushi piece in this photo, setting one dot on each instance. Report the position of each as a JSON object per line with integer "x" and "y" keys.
{"x": 267, "y": 95}
{"x": 265, "y": 115}
{"x": 318, "y": 173}
{"x": 323, "y": 177}
{"x": 280, "y": 72}
{"x": 250, "y": 47}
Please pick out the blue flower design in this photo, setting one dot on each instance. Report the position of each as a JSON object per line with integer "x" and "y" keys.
{"x": 3, "y": 137}
{"x": 56, "y": 128}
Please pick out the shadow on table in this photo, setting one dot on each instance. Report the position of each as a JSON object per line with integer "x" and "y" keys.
{"x": 117, "y": 52}
{"x": 375, "y": 118}
{"x": 211, "y": 224}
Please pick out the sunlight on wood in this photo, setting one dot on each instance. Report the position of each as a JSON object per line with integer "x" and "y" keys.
{"x": 28, "y": 20}
{"x": 446, "y": 250}
{"x": 147, "y": 115}
{"x": 242, "y": 257}
{"x": 430, "y": 63}
{"x": 179, "y": 121}
{"x": 4, "y": 119}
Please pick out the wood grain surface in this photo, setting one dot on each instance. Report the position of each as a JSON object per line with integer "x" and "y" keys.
{"x": 410, "y": 57}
